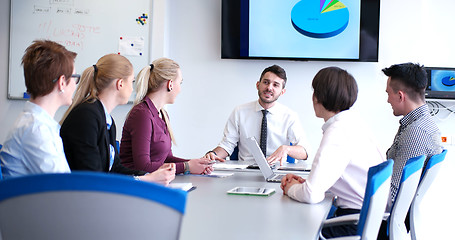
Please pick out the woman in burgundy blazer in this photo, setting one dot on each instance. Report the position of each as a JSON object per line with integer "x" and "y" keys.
{"x": 147, "y": 136}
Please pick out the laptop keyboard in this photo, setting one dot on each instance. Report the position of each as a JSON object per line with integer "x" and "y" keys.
{"x": 279, "y": 177}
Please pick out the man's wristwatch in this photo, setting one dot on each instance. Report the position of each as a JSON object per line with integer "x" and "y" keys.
{"x": 211, "y": 151}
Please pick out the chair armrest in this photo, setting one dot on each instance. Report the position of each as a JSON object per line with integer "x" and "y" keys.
{"x": 341, "y": 220}
{"x": 386, "y": 216}
{"x": 355, "y": 237}
{"x": 346, "y": 238}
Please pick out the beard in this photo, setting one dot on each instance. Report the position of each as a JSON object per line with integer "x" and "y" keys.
{"x": 264, "y": 99}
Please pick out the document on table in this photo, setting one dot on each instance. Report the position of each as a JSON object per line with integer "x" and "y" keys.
{"x": 182, "y": 186}
{"x": 227, "y": 166}
{"x": 216, "y": 174}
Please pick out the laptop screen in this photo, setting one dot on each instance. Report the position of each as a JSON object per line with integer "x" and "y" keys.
{"x": 255, "y": 150}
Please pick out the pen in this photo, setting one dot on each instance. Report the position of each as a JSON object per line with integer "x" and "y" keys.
{"x": 211, "y": 162}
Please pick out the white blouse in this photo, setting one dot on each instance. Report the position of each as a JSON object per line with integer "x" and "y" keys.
{"x": 341, "y": 164}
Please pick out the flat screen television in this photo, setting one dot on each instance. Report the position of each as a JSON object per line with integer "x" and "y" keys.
{"x": 346, "y": 30}
{"x": 441, "y": 83}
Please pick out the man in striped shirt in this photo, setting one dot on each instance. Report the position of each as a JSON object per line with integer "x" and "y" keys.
{"x": 418, "y": 134}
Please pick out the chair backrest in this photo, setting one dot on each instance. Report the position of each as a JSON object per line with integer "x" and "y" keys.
{"x": 408, "y": 186}
{"x": 375, "y": 200}
{"x": 235, "y": 154}
{"x": 88, "y": 205}
{"x": 428, "y": 175}
{"x": 1, "y": 176}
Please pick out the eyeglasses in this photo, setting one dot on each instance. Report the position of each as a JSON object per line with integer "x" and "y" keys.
{"x": 76, "y": 76}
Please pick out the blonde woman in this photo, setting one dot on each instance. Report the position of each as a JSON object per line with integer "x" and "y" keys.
{"x": 147, "y": 136}
{"x": 88, "y": 131}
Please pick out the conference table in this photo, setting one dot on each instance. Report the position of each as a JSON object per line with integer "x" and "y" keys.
{"x": 211, "y": 213}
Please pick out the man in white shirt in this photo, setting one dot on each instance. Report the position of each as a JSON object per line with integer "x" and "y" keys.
{"x": 282, "y": 124}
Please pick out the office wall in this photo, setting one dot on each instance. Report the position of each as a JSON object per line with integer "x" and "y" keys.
{"x": 213, "y": 86}
{"x": 410, "y": 30}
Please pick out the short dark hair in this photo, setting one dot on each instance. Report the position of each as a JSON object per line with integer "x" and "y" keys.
{"x": 277, "y": 70}
{"x": 335, "y": 89}
{"x": 408, "y": 77}
{"x": 43, "y": 62}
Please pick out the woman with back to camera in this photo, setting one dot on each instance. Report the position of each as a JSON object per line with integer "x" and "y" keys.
{"x": 346, "y": 152}
{"x": 88, "y": 131}
{"x": 147, "y": 136}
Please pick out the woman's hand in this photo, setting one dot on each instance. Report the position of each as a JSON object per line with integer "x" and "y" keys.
{"x": 162, "y": 175}
{"x": 289, "y": 180}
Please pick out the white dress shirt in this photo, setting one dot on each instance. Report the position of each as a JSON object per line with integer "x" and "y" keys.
{"x": 283, "y": 128}
{"x": 33, "y": 145}
{"x": 341, "y": 164}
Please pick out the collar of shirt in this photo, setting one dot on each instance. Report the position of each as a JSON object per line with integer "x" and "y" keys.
{"x": 272, "y": 110}
{"x": 341, "y": 115}
{"x": 41, "y": 114}
{"x": 108, "y": 117}
{"x": 151, "y": 106}
{"x": 413, "y": 115}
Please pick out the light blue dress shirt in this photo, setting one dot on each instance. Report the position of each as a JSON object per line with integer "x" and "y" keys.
{"x": 111, "y": 148}
{"x": 33, "y": 145}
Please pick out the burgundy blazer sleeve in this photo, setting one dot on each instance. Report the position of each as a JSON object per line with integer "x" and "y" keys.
{"x": 180, "y": 168}
{"x": 140, "y": 127}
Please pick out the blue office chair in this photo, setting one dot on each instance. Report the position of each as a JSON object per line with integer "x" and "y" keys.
{"x": 235, "y": 154}
{"x": 374, "y": 203}
{"x": 408, "y": 186}
{"x": 428, "y": 176}
{"x": 1, "y": 176}
{"x": 88, "y": 205}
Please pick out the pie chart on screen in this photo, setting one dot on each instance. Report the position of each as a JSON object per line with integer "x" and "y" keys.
{"x": 448, "y": 81}
{"x": 320, "y": 18}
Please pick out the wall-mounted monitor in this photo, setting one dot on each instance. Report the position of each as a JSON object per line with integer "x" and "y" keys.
{"x": 441, "y": 83}
{"x": 346, "y": 30}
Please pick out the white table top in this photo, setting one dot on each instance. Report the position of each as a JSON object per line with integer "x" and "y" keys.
{"x": 213, "y": 214}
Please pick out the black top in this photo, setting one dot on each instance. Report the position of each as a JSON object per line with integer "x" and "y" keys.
{"x": 86, "y": 140}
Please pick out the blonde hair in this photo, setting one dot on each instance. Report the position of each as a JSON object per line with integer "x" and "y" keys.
{"x": 98, "y": 77}
{"x": 151, "y": 78}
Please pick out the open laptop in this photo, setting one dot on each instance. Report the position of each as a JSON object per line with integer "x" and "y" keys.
{"x": 264, "y": 166}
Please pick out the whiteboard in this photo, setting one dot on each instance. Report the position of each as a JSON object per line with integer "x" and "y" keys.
{"x": 89, "y": 28}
